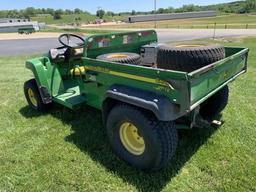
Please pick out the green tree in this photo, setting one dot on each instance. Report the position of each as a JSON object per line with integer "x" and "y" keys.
{"x": 30, "y": 11}
{"x": 78, "y": 11}
{"x": 160, "y": 10}
{"x": 100, "y": 13}
{"x": 190, "y": 8}
{"x": 50, "y": 11}
{"x": 60, "y": 11}
{"x": 43, "y": 11}
{"x": 68, "y": 12}
{"x": 13, "y": 14}
{"x": 110, "y": 13}
{"x": 170, "y": 9}
{"x": 57, "y": 15}
{"x": 250, "y": 5}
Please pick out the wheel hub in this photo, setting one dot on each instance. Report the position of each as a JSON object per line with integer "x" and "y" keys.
{"x": 117, "y": 56}
{"x": 32, "y": 98}
{"x": 131, "y": 139}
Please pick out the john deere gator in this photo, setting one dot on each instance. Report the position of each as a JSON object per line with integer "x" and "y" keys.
{"x": 145, "y": 90}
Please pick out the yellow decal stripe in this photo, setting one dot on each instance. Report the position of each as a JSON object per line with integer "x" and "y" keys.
{"x": 140, "y": 78}
{"x": 129, "y": 76}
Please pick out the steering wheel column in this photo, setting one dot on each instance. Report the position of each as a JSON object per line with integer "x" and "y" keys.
{"x": 72, "y": 48}
{"x": 71, "y": 41}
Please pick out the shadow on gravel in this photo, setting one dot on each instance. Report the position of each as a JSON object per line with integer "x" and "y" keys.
{"x": 89, "y": 136}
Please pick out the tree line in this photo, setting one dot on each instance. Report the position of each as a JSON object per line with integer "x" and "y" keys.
{"x": 241, "y": 7}
{"x": 31, "y": 12}
{"x": 247, "y": 6}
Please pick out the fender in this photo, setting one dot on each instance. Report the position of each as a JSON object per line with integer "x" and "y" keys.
{"x": 160, "y": 105}
{"x": 41, "y": 71}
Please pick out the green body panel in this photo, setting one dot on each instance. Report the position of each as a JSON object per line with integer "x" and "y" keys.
{"x": 46, "y": 74}
{"x": 107, "y": 74}
{"x": 116, "y": 42}
{"x": 206, "y": 81}
{"x": 186, "y": 90}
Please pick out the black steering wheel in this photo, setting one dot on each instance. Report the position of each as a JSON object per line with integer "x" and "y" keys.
{"x": 66, "y": 40}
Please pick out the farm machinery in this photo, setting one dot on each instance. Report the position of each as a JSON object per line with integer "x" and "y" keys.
{"x": 145, "y": 91}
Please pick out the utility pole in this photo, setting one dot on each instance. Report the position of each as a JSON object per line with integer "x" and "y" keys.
{"x": 214, "y": 31}
{"x": 155, "y": 12}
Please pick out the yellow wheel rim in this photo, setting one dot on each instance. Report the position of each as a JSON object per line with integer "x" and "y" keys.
{"x": 189, "y": 45}
{"x": 117, "y": 56}
{"x": 131, "y": 139}
{"x": 32, "y": 98}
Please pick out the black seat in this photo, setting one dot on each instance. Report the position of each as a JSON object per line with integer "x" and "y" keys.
{"x": 65, "y": 54}
{"x": 57, "y": 54}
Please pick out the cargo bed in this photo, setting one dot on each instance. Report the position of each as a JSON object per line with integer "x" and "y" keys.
{"x": 96, "y": 78}
{"x": 186, "y": 90}
{"x": 208, "y": 80}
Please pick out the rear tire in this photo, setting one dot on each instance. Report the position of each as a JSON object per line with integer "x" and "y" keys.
{"x": 33, "y": 97}
{"x": 189, "y": 57}
{"x": 156, "y": 140}
{"x": 215, "y": 104}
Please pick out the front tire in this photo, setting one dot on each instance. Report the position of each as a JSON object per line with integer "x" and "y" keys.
{"x": 140, "y": 139}
{"x": 33, "y": 97}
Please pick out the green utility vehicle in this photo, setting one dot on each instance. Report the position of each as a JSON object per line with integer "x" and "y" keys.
{"x": 27, "y": 30}
{"x": 145, "y": 90}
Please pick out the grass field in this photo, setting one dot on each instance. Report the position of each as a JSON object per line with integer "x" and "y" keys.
{"x": 80, "y": 31}
{"x": 223, "y": 21}
{"x": 85, "y": 18}
{"x": 59, "y": 151}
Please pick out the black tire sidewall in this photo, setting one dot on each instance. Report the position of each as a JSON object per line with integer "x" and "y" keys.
{"x": 188, "y": 59}
{"x": 215, "y": 104}
{"x": 32, "y": 85}
{"x": 152, "y": 148}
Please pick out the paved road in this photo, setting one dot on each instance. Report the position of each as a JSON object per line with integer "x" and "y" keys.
{"x": 26, "y": 46}
{"x": 34, "y": 46}
{"x": 169, "y": 35}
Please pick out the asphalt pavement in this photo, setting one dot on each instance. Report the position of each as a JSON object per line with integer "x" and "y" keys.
{"x": 42, "y": 45}
{"x": 27, "y": 46}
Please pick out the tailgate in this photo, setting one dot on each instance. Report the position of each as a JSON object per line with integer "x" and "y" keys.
{"x": 208, "y": 80}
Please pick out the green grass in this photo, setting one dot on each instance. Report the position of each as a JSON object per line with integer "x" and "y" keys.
{"x": 222, "y": 21}
{"x": 77, "y": 30}
{"x": 62, "y": 151}
{"x": 66, "y": 19}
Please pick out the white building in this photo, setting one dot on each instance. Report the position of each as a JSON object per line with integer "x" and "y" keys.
{"x": 170, "y": 16}
{"x": 13, "y": 25}
{"x": 13, "y": 20}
